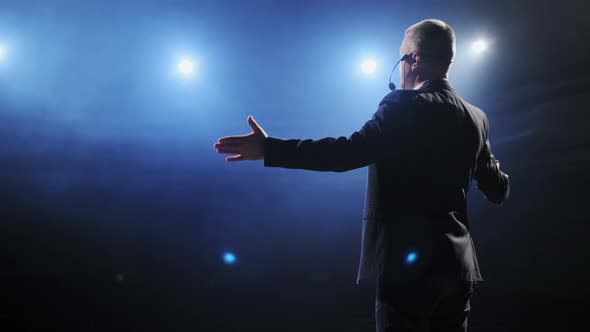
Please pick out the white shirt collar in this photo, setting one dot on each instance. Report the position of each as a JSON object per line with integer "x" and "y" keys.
{"x": 417, "y": 87}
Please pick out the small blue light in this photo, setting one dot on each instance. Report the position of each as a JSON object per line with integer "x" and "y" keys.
{"x": 229, "y": 258}
{"x": 411, "y": 258}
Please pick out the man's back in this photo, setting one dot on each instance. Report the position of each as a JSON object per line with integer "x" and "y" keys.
{"x": 415, "y": 219}
{"x": 424, "y": 148}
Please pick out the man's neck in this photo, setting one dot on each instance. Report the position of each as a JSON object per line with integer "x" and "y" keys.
{"x": 419, "y": 82}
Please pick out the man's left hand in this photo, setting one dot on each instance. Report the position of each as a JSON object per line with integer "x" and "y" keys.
{"x": 244, "y": 147}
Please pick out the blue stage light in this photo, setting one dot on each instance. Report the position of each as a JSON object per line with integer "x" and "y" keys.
{"x": 411, "y": 258}
{"x": 229, "y": 258}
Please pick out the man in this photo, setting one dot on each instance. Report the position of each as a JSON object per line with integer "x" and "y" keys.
{"x": 423, "y": 146}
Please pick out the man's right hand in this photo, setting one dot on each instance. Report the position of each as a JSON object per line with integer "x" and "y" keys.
{"x": 244, "y": 147}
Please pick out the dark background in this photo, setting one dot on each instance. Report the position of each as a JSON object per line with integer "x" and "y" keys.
{"x": 115, "y": 210}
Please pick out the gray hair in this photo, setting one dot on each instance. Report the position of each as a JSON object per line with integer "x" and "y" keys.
{"x": 433, "y": 38}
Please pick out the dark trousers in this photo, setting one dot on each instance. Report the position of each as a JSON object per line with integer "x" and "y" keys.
{"x": 429, "y": 304}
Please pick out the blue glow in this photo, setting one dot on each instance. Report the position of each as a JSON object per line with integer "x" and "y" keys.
{"x": 229, "y": 258}
{"x": 411, "y": 258}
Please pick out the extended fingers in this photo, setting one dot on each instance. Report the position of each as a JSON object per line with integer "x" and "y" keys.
{"x": 229, "y": 150}
{"x": 233, "y": 145}
{"x": 228, "y": 147}
{"x": 235, "y": 158}
{"x": 232, "y": 139}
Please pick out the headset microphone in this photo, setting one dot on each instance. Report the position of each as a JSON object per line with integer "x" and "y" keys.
{"x": 409, "y": 59}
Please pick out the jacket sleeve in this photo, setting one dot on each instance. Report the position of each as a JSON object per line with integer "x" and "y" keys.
{"x": 341, "y": 154}
{"x": 492, "y": 182}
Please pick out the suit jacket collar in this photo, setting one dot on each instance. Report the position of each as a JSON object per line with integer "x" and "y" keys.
{"x": 438, "y": 84}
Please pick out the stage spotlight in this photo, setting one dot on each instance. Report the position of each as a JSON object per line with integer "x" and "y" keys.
{"x": 369, "y": 66}
{"x": 411, "y": 258}
{"x": 229, "y": 258}
{"x": 2, "y": 52}
{"x": 186, "y": 67}
{"x": 479, "y": 46}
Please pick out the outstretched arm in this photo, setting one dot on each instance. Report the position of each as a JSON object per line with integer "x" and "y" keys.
{"x": 340, "y": 154}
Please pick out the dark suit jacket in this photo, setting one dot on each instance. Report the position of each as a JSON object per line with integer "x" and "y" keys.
{"x": 423, "y": 148}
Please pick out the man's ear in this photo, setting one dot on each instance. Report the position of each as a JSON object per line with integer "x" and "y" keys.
{"x": 417, "y": 58}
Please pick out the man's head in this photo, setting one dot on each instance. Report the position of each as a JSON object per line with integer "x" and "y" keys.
{"x": 431, "y": 44}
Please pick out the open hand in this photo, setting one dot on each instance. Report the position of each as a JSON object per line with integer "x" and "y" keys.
{"x": 244, "y": 147}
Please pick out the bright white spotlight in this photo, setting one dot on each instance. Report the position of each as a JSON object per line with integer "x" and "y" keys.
{"x": 479, "y": 46}
{"x": 2, "y": 52}
{"x": 369, "y": 66}
{"x": 186, "y": 67}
